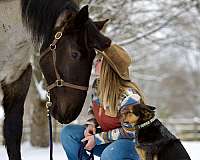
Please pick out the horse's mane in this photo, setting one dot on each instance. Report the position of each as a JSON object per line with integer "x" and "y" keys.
{"x": 39, "y": 16}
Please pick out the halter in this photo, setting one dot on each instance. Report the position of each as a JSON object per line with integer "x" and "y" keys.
{"x": 59, "y": 82}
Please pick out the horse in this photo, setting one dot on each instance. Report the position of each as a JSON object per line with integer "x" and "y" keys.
{"x": 67, "y": 39}
{"x": 153, "y": 140}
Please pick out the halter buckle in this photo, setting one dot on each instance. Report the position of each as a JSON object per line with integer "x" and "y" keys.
{"x": 58, "y": 35}
{"x": 59, "y": 83}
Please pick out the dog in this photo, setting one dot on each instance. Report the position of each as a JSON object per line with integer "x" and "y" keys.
{"x": 153, "y": 140}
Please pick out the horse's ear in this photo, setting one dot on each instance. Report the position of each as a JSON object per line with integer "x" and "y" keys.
{"x": 62, "y": 18}
{"x": 83, "y": 15}
{"x": 100, "y": 24}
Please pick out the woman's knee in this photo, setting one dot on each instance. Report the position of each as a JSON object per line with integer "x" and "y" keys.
{"x": 108, "y": 154}
{"x": 71, "y": 131}
{"x": 120, "y": 149}
{"x": 65, "y": 132}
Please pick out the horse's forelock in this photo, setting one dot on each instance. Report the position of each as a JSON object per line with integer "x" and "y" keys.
{"x": 39, "y": 16}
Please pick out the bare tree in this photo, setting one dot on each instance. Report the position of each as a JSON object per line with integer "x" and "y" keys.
{"x": 160, "y": 36}
{"x": 39, "y": 121}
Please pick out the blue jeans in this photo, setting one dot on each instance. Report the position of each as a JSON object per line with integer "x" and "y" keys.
{"x": 122, "y": 149}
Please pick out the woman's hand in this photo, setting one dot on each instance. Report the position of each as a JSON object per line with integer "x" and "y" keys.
{"x": 90, "y": 142}
{"x": 90, "y": 130}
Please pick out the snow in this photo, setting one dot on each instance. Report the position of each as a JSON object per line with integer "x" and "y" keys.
{"x": 1, "y": 112}
{"x": 40, "y": 88}
{"x": 33, "y": 153}
{"x": 42, "y": 92}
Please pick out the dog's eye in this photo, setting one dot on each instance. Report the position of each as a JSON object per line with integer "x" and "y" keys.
{"x": 129, "y": 112}
{"x": 126, "y": 112}
{"x": 136, "y": 112}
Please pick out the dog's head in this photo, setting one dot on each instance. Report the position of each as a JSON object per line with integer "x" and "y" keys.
{"x": 137, "y": 114}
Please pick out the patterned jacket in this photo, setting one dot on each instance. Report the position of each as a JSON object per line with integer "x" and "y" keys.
{"x": 112, "y": 128}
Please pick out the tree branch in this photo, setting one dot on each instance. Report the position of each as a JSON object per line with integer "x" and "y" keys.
{"x": 134, "y": 39}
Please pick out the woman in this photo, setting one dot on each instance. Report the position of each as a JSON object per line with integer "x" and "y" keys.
{"x": 112, "y": 93}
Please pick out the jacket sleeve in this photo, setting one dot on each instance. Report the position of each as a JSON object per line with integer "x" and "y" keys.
{"x": 126, "y": 131}
{"x": 91, "y": 118}
{"x": 112, "y": 135}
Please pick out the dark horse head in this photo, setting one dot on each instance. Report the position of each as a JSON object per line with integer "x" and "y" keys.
{"x": 69, "y": 59}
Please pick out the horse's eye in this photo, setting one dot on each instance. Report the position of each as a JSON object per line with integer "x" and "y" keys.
{"x": 76, "y": 55}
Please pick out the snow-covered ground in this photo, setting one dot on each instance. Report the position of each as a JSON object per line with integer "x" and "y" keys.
{"x": 32, "y": 153}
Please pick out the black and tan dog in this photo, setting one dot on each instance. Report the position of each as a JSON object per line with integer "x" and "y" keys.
{"x": 153, "y": 140}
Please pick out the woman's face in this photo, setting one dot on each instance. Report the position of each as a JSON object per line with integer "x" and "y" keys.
{"x": 98, "y": 63}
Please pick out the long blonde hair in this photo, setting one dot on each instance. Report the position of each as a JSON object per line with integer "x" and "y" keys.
{"x": 111, "y": 85}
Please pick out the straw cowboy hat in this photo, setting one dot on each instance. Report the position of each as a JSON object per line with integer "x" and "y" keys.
{"x": 118, "y": 59}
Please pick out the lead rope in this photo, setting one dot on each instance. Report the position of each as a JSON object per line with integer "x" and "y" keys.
{"x": 82, "y": 150}
{"x": 48, "y": 105}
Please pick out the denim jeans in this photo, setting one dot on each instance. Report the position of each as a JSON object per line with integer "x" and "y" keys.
{"x": 121, "y": 149}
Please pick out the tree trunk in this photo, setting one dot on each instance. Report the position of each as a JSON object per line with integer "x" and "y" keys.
{"x": 39, "y": 125}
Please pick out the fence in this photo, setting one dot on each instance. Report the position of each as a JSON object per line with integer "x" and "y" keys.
{"x": 185, "y": 129}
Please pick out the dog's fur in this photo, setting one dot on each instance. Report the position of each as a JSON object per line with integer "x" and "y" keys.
{"x": 154, "y": 141}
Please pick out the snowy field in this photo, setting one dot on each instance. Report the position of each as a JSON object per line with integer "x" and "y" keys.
{"x": 31, "y": 153}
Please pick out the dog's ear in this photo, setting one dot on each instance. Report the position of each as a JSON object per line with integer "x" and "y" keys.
{"x": 152, "y": 108}
{"x": 147, "y": 107}
{"x": 146, "y": 112}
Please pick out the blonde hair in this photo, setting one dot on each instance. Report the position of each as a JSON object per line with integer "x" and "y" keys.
{"x": 111, "y": 85}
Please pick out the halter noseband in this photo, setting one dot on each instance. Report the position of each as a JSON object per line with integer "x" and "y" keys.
{"x": 59, "y": 82}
